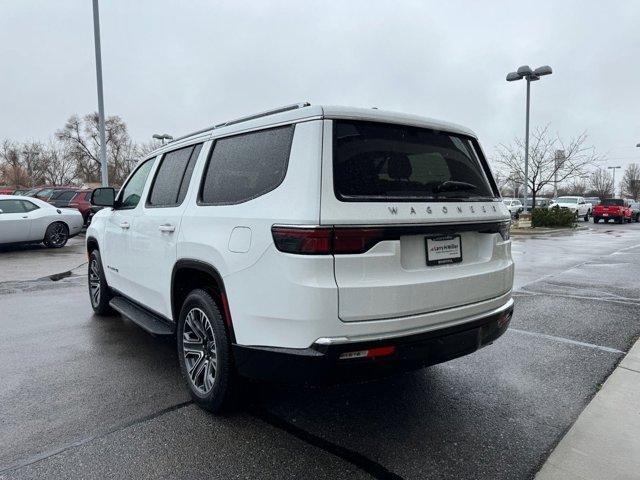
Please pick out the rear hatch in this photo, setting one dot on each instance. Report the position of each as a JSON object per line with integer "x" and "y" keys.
{"x": 610, "y": 207}
{"x": 418, "y": 215}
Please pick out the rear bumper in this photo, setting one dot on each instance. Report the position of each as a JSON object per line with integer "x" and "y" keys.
{"x": 321, "y": 363}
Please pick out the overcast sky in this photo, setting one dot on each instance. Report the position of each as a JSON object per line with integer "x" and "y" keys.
{"x": 172, "y": 66}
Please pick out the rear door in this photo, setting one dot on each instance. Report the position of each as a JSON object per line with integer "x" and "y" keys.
{"x": 118, "y": 264}
{"x": 424, "y": 204}
{"x": 155, "y": 230}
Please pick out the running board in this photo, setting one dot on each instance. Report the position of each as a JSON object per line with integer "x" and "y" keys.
{"x": 146, "y": 320}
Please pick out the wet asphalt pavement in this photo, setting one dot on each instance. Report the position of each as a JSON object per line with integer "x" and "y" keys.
{"x": 88, "y": 397}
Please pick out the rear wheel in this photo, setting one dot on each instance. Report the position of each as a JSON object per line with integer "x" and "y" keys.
{"x": 596, "y": 219}
{"x": 637, "y": 217}
{"x": 586, "y": 216}
{"x": 204, "y": 352}
{"x": 99, "y": 292}
{"x": 56, "y": 235}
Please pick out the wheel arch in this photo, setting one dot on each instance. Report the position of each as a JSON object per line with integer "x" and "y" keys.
{"x": 188, "y": 274}
{"x": 92, "y": 244}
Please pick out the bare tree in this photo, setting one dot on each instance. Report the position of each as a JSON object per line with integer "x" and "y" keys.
{"x": 631, "y": 181}
{"x": 32, "y": 162}
{"x": 11, "y": 169}
{"x": 543, "y": 167}
{"x": 81, "y": 137}
{"x": 59, "y": 166}
{"x": 601, "y": 183}
{"x": 22, "y": 164}
{"x": 578, "y": 186}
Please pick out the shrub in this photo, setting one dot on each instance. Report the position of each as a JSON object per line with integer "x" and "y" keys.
{"x": 552, "y": 217}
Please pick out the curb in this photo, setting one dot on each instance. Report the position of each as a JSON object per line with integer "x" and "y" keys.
{"x": 604, "y": 441}
{"x": 543, "y": 231}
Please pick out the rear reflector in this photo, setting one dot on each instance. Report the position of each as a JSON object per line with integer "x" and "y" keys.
{"x": 371, "y": 353}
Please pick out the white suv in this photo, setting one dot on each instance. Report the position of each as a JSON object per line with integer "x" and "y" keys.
{"x": 305, "y": 244}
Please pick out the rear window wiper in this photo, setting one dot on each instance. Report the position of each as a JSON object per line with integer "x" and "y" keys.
{"x": 454, "y": 186}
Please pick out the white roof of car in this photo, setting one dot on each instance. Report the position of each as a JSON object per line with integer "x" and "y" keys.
{"x": 300, "y": 112}
{"x": 37, "y": 201}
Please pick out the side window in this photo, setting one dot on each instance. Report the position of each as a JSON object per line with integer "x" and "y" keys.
{"x": 246, "y": 166}
{"x": 29, "y": 206}
{"x": 66, "y": 196}
{"x": 12, "y": 206}
{"x": 130, "y": 194}
{"x": 172, "y": 178}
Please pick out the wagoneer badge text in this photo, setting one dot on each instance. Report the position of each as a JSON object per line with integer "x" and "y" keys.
{"x": 412, "y": 211}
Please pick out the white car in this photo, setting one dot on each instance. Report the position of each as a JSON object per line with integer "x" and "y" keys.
{"x": 515, "y": 206}
{"x": 578, "y": 205}
{"x": 30, "y": 220}
{"x": 307, "y": 243}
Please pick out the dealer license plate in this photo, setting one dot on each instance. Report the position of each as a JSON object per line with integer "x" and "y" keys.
{"x": 443, "y": 249}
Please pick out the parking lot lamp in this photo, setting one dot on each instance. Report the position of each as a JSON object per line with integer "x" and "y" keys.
{"x": 614, "y": 178}
{"x": 104, "y": 171}
{"x": 530, "y": 76}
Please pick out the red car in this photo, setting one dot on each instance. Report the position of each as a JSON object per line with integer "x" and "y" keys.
{"x": 81, "y": 201}
{"x": 617, "y": 209}
{"x": 6, "y": 190}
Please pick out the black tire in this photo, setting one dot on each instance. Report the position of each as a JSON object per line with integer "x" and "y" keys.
{"x": 596, "y": 219}
{"x": 637, "y": 217}
{"x": 99, "y": 299}
{"x": 56, "y": 235}
{"x": 208, "y": 369}
{"x": 586, "y": 216}
{"x": 606, "y": 220}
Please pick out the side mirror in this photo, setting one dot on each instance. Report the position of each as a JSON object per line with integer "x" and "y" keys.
{"x": 103, "y": 197}
{"x": 1, "y": 211}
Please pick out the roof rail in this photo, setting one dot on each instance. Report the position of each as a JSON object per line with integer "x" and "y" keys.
{"x": 266, "y": 113}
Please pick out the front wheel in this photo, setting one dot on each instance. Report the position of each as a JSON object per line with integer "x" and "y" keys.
{"x": 99, "y": 292}
{"x": 596, "y": 219}
{"x": 637, "y": 217}
{"x": 204, "y": 352}
{"x": 56, "y": 235}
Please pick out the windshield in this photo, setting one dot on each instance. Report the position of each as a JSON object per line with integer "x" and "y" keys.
{"x": 612, "y": 202}
{"x": 380, "y": 162}
{"x": 567, "y": 200}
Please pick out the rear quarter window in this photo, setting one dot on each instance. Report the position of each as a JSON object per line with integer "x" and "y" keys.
{"x": 244, "y": 167}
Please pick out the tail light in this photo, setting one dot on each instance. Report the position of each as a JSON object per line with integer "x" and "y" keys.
{"x": 325, "y": 240}
{"x": 305, "y": 241}
{"x": 505, "y": 230}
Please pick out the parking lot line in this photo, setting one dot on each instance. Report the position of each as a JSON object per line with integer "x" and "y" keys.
{"x": 567, "y": 340}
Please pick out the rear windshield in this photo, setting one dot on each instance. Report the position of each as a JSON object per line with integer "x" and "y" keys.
{"x": 380, "y": 162}
{"x": 612, "y": 201}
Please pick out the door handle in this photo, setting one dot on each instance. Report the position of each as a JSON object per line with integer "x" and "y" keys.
{"x": 25, "y": 216}
{"x": 124, "y": 225}
{"x": 167, "y": 227}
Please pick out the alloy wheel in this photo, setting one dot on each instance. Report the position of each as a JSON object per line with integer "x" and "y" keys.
{"x": 199, "y": 350}
{"x": 94, "y": 282}
{"x": 58, "y": 235}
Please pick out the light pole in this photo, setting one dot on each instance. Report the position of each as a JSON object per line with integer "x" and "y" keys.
{"x": 614, "y": 178}
{"x": 531, "y": 76}
{"x": 104, "y": 171}
{"x": 163, "y": 137}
